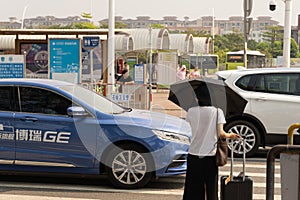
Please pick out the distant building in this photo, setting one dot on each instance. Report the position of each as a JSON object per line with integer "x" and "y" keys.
{"x": 11, "y": 24}
{"x": 204, "y": 24}
{"x": 40, "y": 22}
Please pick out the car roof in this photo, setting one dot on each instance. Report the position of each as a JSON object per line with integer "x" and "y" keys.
{"x": 30, "y": 81}
{"x": 226, "y": 73}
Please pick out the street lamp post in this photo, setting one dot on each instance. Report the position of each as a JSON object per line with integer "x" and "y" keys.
{"x": 287, "y": 30}
{"x": 111, "y": 48}
{"x": 247, "y": 26}
{"x": 150, "y": 68}
{"x": 287, "y": 33}
{"x": 23, "y": 16}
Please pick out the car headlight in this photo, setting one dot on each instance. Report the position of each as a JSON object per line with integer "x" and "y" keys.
{"x": 172, "y": 136}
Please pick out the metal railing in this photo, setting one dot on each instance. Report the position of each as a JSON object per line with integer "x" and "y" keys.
{"x": 273, "y": 153}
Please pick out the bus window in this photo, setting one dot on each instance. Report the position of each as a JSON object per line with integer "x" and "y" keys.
{"x": 255, "y": 59}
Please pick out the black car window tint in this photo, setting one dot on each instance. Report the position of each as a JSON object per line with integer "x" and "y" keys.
{"x": 247, "y": 82}
{"x": 244, "y": 83}
{"x": 279, "y": 83}
{"x": 7, "y": 99}
{"x": 294, "y": 84}
{"x": 259, "y": 83}
{"x": 36, "y": 100}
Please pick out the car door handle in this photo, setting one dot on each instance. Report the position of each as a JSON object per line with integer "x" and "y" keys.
{"x": 29, "y": 119}
{"x": 261, "y": 99}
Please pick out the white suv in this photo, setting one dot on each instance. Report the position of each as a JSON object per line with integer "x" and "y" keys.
{"x": 273, "y": 97}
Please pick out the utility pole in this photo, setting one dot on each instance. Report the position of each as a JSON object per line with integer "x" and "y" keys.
{"x": 150, "y": 68}
{"x": 111, "y": 48}
{"x": 287, "y": 30}
{"x": 247, "y": 26}
{"x": 287, "y": 34}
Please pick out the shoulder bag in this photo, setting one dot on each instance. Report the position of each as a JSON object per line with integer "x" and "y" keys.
{"x": 222, "y": 148}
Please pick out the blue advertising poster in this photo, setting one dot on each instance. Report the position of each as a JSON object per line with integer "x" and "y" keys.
{"x": 65, "y": 59}
{"x": 12, "y": 66}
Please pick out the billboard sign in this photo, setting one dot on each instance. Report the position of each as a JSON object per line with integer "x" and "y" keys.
{"x": 36, "y": 58}
{"x": 65, "y": 59}
{"x": 12, "y": 66}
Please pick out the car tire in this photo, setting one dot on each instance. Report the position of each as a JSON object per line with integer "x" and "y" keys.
{"x": 129, "y": 166}
{"x": 249, "y": 133}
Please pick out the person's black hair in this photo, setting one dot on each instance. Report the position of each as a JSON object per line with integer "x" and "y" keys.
{"x": 203, "y": 96}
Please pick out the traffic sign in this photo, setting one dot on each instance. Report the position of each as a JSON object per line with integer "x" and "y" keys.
{"x": 91, "y": 42}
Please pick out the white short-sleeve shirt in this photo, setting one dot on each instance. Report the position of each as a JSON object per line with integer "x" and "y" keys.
{"x": 204, "y": 129}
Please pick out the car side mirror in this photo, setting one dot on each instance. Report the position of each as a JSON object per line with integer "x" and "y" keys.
{"x": 76, "y": 111}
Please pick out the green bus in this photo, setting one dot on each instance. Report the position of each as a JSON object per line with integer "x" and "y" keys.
{"x": 255, "y": 59}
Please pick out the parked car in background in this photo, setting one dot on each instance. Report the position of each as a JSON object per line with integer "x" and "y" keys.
{"x": 49, "y": 126}
{"x": 273, "y": 97}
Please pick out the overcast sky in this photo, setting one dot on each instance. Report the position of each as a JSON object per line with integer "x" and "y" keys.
{"x": 156, "y": 9}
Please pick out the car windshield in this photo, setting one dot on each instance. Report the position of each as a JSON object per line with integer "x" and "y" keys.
{"x": 93, "y": 99}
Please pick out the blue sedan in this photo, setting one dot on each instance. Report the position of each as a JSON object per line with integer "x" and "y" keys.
{"x": 62, "y": 128}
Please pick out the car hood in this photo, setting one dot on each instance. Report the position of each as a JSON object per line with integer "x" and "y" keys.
{"x": 154, "y": 120}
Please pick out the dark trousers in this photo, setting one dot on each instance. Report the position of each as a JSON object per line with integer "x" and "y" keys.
{"x": 201, "y": 178}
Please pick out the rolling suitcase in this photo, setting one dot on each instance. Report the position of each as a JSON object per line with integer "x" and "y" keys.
{"x": 237, "y": 187}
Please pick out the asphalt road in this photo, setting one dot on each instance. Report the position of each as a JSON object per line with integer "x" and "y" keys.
{"x": 54, "y": 188}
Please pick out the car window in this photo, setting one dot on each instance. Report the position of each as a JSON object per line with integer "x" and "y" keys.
{"x": 259, "y": 83}
{"x": 250, "y": 83}
{"x": 93, "y": 99}
{"x": 281, "y": 83}
{"x": 7, "y": 100}
{"x": 36, "y": 100}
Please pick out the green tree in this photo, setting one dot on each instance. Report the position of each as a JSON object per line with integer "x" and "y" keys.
{"x": 197, "y": 33}
{"x": 85, "y": 25}
{"x": 229, "y": 42}
{"x": 252, "y": 44}
{"x": 119, "y": 25}
{"x": 264, "y": 47}
{"x": 294, "y": 49}
{"x": 157, "y": 26}
{"x": 273, "y": 35}
{"x": 278, "y": 49}
{"x": 226, "y": 43}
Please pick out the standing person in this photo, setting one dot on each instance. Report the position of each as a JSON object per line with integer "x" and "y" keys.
{"x": 202, "y": 172}
{"x": 181, "y": 73}
{"x": 195, "y": 73}
{"x": 125, "y": 78}
{"x": 126, "y": 66}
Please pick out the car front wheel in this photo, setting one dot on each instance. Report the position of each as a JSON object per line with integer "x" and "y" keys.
{"x": 128, "y": 167}
{"x": 250, "y": 135}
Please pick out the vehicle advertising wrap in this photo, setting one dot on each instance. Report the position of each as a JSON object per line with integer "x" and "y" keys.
{"x": 33, "y": 135}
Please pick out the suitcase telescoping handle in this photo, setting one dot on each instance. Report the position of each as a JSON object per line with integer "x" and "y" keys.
{"x": 239, "y": 141}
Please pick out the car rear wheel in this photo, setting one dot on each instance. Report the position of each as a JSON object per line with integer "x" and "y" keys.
{"x": 250, "y": 135}
{"x": 129, "y": 166}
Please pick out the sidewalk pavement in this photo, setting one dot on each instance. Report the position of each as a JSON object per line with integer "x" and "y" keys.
{"x": 160, "y": 103}
{"x": 31, "y": 197}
